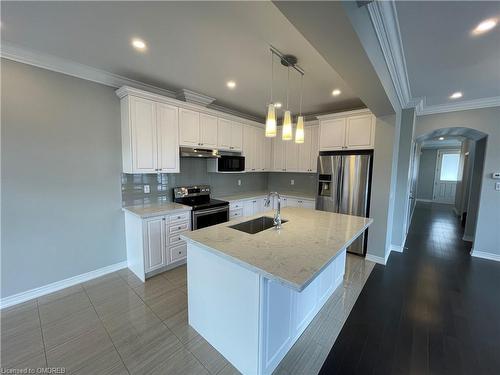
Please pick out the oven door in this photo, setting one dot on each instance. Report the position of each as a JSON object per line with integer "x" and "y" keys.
{"x": 210, "y": 216}
{"x": 231, "y": 163}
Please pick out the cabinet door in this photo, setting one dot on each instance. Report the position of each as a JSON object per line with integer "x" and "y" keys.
{"x": 267, "y": 154}
{"x": 314, "y": 148}
{"x": 278, "y": 153}
{"x": 154, "y": 243}
{"x": 248, "y": 208}
{"x": 189, "y": 128}
{"x": 236, "y": 136}
{"x": 359, "y": 132}
{"x": 332, "y": 134}
{"x": 144, "y": 142}
{"x": 292, "y": 202}
{"x": 291, "y": 156}
{"x": 305, "y": 152}
{"x": 208, "y": 130}
{"x": 167, "y": 125}
{"x": 249, "y": 148}
{"x": 259, "y": 149}
{"x": 307, "y": 203}
{"x": 224, "y": 134}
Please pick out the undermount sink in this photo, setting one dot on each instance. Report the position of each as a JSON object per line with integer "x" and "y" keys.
{"x": 256, "y": 225}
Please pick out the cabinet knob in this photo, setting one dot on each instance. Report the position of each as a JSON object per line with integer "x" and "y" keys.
{"x": 179, "y": 227}
{"x": 163, "y": 219}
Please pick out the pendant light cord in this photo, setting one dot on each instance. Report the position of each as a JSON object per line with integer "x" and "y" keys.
{"x": 287, "y": 86}
{"x": 301, "y": 89}
{"x": 272, "y": 76}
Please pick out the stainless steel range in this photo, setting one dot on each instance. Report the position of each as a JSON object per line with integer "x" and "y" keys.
{"x": 206, "y": 211}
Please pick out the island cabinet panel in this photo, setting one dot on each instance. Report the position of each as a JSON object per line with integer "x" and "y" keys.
{"x": 261, "y": 317}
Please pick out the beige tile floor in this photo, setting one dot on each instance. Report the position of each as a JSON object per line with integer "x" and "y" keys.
{"x": 117, "y": 325}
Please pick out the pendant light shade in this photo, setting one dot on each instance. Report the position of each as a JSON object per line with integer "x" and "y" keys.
{"x": 287, "y": 134}
{"x": 271, "y": 121}
{"x": 299, "y": 131}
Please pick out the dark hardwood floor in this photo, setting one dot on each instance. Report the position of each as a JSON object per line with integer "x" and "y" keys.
{"x": 433, "y": 309}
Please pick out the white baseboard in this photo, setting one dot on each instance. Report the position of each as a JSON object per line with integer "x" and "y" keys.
{"x": 397, "y": 248}
{"x": 377, "y": 259}
{"x": 424, "y": 200}
{"x": 468, "y": 238}
{"x": 58, "y": 285}
{"x": 485, "y": 255}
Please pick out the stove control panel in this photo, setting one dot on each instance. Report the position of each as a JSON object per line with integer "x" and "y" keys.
{"x": 191, "y": 191}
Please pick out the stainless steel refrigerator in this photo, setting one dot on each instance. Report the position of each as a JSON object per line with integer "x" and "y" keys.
{"x": 344, "y": 180}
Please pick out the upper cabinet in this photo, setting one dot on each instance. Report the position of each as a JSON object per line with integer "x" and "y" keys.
{"x": 197, "y": 129}
{"x": 353, "y": 130}
{"x": 150, "y": 142}
{"x": 229, "y": 135}
{"x": 289, "y": 156}
{"x": 208, "y": 130}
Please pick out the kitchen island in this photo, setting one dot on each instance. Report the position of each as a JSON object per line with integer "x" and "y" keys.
{"x": 252, "y": 295}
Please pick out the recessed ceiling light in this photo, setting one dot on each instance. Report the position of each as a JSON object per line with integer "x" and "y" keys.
{"x": 277, "y": 105}
{"x": 139, "y": 44}
{"x": 441, "y": 138}
{"x": 336, "y": 92}
{"x": 485, "y": 26}
{"x": 231, "y": 84}
{"x": 456, "y": 95}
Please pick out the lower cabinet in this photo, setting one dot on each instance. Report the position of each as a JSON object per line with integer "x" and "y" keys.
{"x": 154, "y": 244}
{"x": 253, "y": 206}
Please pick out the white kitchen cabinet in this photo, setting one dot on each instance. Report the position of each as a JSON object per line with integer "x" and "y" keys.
{"x": 354, "y": 130}
{"x": 189, "y": 127}
{"x": 332, "y": 134}
{"x": 154, "y": 243}
{"x": 278, "y": 153}
{"x": 155, "y": 234}
{"x": 251, "y": 149}
{"x": 267, "y": 154}
{"x": 230, "y": 135}
{"x": 208, "y": 130}
{"x": 252, "y": 207}
{"x": 292, "y": 156}
{"x": 360, "y": 132}
{"x": 314, "y": 135}
{"x": 307, "y": 203}
{"x": 150, "y": 142}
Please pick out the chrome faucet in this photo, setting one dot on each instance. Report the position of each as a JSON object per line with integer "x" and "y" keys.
{"x": 277, "y": 214}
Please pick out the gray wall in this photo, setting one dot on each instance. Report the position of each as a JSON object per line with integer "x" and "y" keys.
{"x": 487, "y": 122}
{"x": 467, "y": 153}
{"x": 193, "y": 172}
{"x": 383, "y": 186}
{"x": 475, "y": 190}
{"x": 61, "y": 168}
{"x": 426, "y": 171}
{"x": 403, "y": 177}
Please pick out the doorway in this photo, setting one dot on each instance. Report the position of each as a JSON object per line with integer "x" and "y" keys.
{"x": 446, "y": 175}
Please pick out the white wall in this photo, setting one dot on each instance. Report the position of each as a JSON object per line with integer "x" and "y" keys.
{"x": 487, "y": 121}
{"x": 61, "y": 171}
{"x": 427, "y": 169}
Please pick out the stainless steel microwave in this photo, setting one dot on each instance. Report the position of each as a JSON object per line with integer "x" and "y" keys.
{"x": 227, "y": 164}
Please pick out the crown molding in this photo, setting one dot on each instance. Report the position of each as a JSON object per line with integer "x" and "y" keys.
{"x": 194, "y": 97}
{"x": 56, "y": 64}
{"x": 384, "y": 17}
{"x": 461, "y": 106}
{"x": 343, "y": 114}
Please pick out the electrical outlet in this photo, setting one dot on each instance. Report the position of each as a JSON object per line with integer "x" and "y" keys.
{"x": 497, "y": 186}
{"x": 292, "y": 182}
{"x": 147, "y": 190}
{"x": 239, "y": 182}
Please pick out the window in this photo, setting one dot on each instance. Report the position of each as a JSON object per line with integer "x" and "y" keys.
{"x": 449, "y": 166}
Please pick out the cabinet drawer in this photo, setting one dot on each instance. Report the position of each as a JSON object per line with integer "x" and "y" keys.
{"x": 183, "y": 216}
{"x": 178, "y": 252}
{"x": 178, "y": 227}
{"x": 235, "y": 205}
{"x": 175, "y": 239}
{"x": 234, "y": 214}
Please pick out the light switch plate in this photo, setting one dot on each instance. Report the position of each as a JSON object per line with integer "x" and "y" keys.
{"x": 292, "y": 182}
{"x": 497, "y": 186}
{"x": 147, "y": 190}
{"x": 239, "y": 182}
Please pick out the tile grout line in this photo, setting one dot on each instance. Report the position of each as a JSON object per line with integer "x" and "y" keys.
{"x": 163, "y": 322}
{"x": 41, "y": 332}
{"x": 106, "y": 330}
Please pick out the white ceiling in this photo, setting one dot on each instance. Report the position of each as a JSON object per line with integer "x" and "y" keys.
{"x": 441, "y": 54}
{"x": 192, "y": 45}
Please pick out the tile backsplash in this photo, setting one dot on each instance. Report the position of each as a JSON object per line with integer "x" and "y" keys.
{"x": 193, "y": 172}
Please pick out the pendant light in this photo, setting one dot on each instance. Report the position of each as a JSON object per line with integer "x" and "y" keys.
{"x": 271, "y": 111}
{"x": 299, "y": 131}
{"x": 287, "y": 132}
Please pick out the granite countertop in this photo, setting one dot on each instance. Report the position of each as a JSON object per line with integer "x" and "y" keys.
{"x": 156, "y": 209}
{"x": 293, "y": 255}
{"x": 253, "y": 194}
